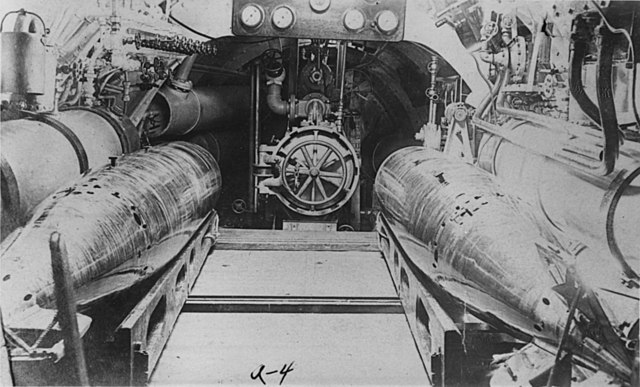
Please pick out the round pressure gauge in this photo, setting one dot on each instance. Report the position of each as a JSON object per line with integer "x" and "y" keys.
{"x": 354, "y": 20}
{"x": 282, "y": 17}
{"x": 319, "y": 6}
{"x": 251, "y": 16}
{"x": 387, "y": 21}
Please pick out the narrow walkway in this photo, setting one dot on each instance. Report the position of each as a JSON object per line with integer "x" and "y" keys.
{"x": 309, "y": 308}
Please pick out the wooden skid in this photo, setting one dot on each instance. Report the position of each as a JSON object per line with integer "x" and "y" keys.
{"x": 142, "y": 335}
{"x": 129, "y": 354}
{"x": 435, "y": 333}
{"x": 240, "y": 239}
{"x": 329, "y": 305}
{"x": 204, "y": 242}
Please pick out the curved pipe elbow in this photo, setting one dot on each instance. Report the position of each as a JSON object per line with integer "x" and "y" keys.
{"x": 275, "y": 101}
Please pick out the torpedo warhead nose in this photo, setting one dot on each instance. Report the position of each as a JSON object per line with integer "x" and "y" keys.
{"x": 16, "y": 286}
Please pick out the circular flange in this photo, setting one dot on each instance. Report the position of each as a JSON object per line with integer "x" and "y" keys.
{"x": 319, "y": 170}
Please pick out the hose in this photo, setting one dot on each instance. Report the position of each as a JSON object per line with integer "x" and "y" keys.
{"x": 608, "y": 118}
{"x": 493, "y": 92}
{"x": 632, "y": 54}
{"x": 605, "y": 115}
{"x": 578, "y": 53}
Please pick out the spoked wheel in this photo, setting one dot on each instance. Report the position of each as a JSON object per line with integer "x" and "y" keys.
{"x": 319, "y": 170}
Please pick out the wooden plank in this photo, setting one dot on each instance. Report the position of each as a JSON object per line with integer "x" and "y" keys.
{"x": 208, "y": 304}
{"x": 294, "y": 273}
{"x": 344, "y": 349}
{"x": 243, "y": 239}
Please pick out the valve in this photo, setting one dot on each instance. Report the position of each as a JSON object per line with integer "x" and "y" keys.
{"x": 319, "y": 170}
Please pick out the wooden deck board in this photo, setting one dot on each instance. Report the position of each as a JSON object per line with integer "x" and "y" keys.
{"x": 294, "y": 273}
{"x": 214, "y": 343}
{"x": 242, "y": 239}
{"x": 224, "y": 348}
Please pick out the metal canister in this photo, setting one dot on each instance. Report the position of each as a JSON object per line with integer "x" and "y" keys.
{"x": 22, "y": 58}
{"x": 44, "y": 152}
{"x": 23, "y": 54}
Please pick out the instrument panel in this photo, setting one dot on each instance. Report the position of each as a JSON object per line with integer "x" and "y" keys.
{"x": 381, "y": 20}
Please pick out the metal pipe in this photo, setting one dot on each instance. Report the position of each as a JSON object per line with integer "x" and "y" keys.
{"x": 568, "y": 156}
{"x": 493, "y": 92}
{"x": 275, "y": 101}
{"x": 601, "y": 210}
{"x": 61, "y": 19}
{"x": 579, "y": 159}
{"x": 274, "y": 95}
{"x": 342, "y": 69}
{"x": 66, "y": 145}
{"x": 254, "y": 134}
{"x": 73, "y": 25}
{"x": 177, "y": 113}
{"x": 202, "y": 68}
{"x": 83, "y": 39}
{"x": 432, "y": 67}
{"x": 294, "y": 60}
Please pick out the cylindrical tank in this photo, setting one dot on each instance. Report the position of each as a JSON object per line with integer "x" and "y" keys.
{"x": 22, "y": 57}
{"x": 28, "y": 67}
{"x": 176, "y": 112}
{"x": 150, "y": 202}
{"x": 44, "y": 152}
{"x": 224, "y": 146}
{"x": 602, "y": 211}
{"x": 208, "y": 141}
{"x": 386, "y": 145}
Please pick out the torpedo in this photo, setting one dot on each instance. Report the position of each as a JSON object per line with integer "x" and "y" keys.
{"x": 132, "y": 216}
{"x": 475, "y": 241}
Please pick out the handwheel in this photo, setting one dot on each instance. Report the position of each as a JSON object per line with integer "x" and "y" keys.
{"x": 319, "y": 170}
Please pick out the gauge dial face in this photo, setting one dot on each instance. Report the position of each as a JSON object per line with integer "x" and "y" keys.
{"x": 251, "y": 16}
{"x": 282, "y": 17}
{"x": 387, "y": 21}
{"x": 319, "y": 6}
{"x": 354, "y": 20}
